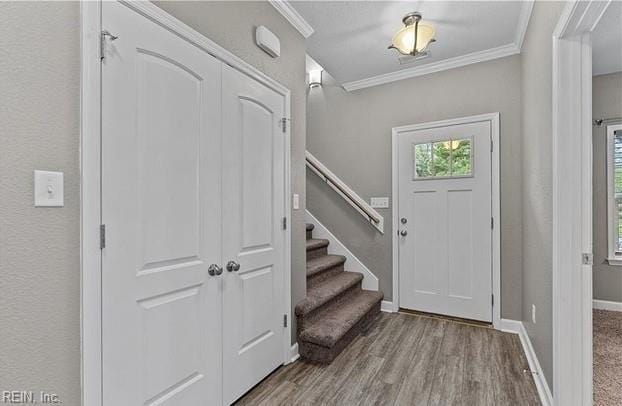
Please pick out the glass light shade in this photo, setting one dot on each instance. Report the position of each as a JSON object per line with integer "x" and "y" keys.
{"x": 315, "y": 78}
{"x": 452, "y": 144}
{"x": 404, "y": 39}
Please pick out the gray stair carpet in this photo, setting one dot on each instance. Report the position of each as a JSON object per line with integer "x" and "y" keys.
{"x": 336, "y": 308}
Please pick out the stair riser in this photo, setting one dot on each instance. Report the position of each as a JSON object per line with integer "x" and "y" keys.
{"x": 327, "y": 308}
{"x": 316, "y": 253}
{"x": 309, "y": 234}
{"x": 317, "y": 353}
{"x": 314, "y": 280}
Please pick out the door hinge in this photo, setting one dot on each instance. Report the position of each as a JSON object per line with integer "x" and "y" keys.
{"x": 102, "y": 42}
{"x": 587, "y": 258}
{"x": 285, "y": 320}
{"x": 492, "y": 222}
{"x": 284, "y": 223}
{"x": 102, "y": 236}
{"x": 492, "y": 144}
{"x": 492, "y": 299}
{"x": 284, "y": 124}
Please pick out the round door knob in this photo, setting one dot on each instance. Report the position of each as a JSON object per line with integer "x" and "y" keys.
{"x": 403, "y": 233}
{"x": 233, "y": 266}
{"x": 214, "y": 270}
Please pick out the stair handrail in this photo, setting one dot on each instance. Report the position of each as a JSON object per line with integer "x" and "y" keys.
{"x": 345, "y": 192}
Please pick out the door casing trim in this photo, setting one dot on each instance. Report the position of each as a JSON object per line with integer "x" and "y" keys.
{"x": 493, "y": 118}
{"x": 572, "y": 201}
{"x": 90, "y": 174}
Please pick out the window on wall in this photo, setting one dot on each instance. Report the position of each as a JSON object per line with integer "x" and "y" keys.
{"x": 614, "y": 193}
{"x": 443, "y": 159}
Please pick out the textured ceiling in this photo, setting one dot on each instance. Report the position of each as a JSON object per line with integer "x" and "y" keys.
{"x": 351, "y": 37}
{"x": 607, "y": 41}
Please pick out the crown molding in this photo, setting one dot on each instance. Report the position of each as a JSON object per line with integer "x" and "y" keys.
{"x": 523, "y": 22}
{"x": 456, "y": 62}
{"x": 451, "y": 63}
{"x": 293, "y": 16}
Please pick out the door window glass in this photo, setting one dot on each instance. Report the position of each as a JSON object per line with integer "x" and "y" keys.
{"x": 443, "y": 159}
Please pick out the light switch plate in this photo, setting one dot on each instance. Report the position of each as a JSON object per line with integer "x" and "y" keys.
{"x": 380, "y": 202}
{"x": 296, "y": 201}
{"x": 49, "y": 189}
{"x": 533, "y": 313}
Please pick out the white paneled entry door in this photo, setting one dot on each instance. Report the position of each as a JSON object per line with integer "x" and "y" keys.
{"x": 183, "y": 194}
{"x": 444, "y": 220}
{"x": 253, "y": 236}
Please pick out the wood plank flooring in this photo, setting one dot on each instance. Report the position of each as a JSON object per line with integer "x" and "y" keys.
{"x": 404, "y": 359}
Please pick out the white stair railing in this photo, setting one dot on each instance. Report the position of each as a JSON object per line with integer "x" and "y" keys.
{"x": 360, "y": 205}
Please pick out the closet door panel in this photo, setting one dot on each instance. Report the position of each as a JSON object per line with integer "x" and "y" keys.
{"x": 161, "y": 135}
{"x": 253, "y": 206}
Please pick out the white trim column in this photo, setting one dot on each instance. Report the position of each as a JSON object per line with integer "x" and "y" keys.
{"x": 572, "y": 202}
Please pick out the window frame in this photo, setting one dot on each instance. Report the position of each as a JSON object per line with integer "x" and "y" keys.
{"x": 434, "y": 141}
{"x": 614, "y": 257}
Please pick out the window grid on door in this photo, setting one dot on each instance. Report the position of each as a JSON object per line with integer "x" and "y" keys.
{"x": 444, "y": 159}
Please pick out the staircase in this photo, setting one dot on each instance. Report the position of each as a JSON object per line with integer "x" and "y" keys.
{"x": 336, "y": 308}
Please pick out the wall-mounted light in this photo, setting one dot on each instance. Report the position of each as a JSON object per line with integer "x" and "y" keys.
{"x": 414, "y": 37}
{"x": 315, "y": 78}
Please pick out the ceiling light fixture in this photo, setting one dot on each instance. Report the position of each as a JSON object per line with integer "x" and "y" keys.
{"x": 414, "y": 37}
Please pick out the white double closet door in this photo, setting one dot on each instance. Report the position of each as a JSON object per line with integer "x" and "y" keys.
{"x": 192, "y": 176}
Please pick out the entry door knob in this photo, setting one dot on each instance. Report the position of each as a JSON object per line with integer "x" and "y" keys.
{"x": 233, "y": 266}
{"x": 214, "y": 270}
{"x": 403, "y": 233}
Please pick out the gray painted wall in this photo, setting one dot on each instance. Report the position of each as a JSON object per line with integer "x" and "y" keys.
{"x": 39, "y": 112}
{"x": 39, "y": 248}
{"x": 350, "y": 132}
{"x": 606, "y": 102}
{"x": 537, "y": 172}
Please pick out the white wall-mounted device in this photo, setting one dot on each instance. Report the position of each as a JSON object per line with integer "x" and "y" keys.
{"x": 380, "y": 202}
{"x": 49, "y": 189}
{"x": 267, "y": 41}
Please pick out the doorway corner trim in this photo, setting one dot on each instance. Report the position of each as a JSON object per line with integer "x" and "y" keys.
{"x": 572, "y": 201}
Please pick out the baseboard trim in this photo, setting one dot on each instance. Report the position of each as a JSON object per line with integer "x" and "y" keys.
{"x": 387, "y": 307}
{"x": 510, "y": 326}
{"x": 293, "y": 353}
{"x": 517, "y": 327}
{"x": 607, "y": 305}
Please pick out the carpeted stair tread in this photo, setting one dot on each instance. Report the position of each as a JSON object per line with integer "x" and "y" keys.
{"x": 326, "y": 291}
{"x": 316, "y": 243}
{"x": 335, "y": 309}
{"x": 326, "y": 332}
{"x": 321, "y": 264}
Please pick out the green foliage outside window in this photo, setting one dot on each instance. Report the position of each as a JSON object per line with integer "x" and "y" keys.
{"x": 443, "y": 159}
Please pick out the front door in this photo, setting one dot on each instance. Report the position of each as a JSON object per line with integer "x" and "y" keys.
{"x": 161, "y": 309}
{"x": 445, "y": 214}
{"x": 253, "y": 193}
